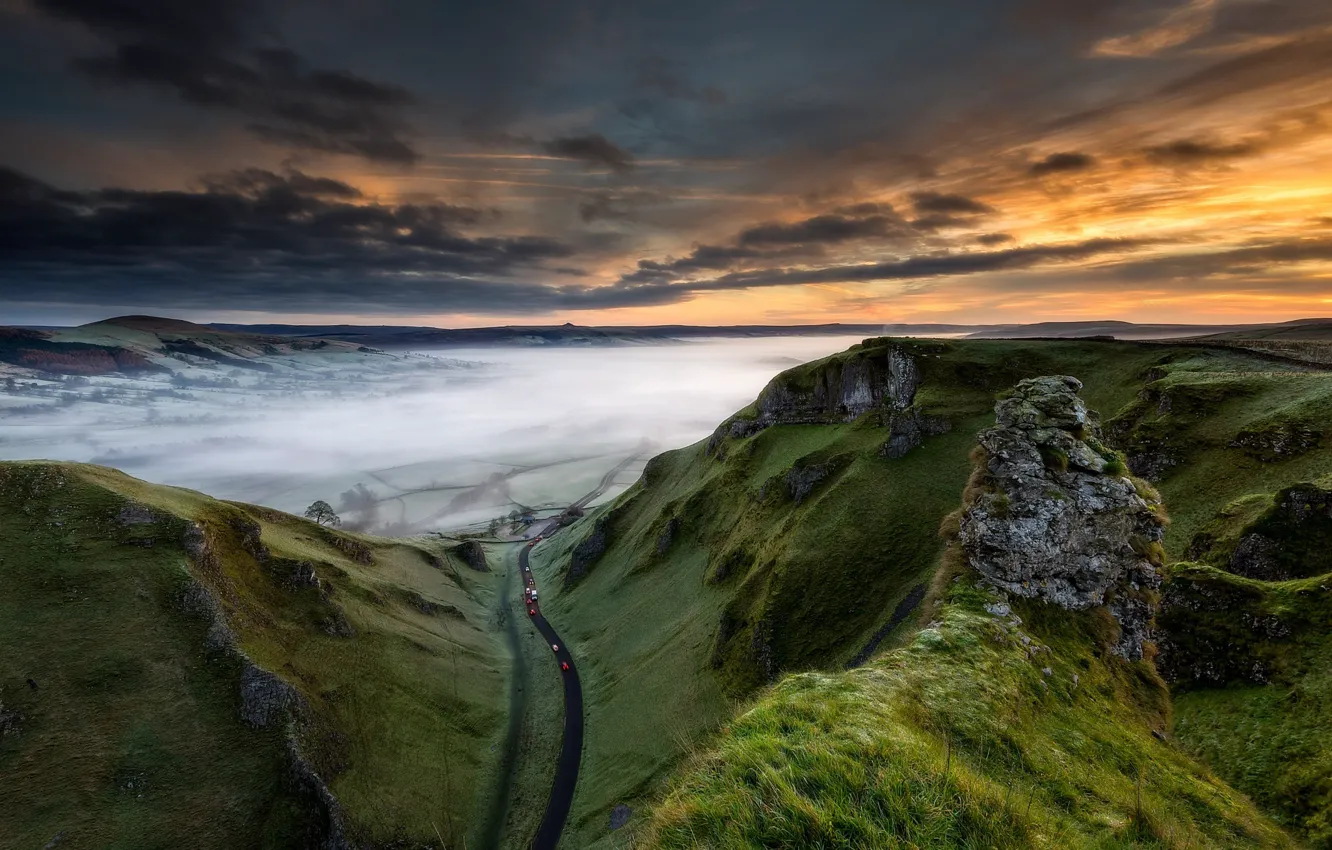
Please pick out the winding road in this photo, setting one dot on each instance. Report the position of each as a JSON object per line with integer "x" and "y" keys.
{"x": 571, "y": 746}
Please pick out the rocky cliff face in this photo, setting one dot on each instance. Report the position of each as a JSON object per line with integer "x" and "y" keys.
{"x": 1052, "y": 515}
{"x": 1292, "y": 539}
{"x": 844, "y": 390}
{"x": 840, "y": 390}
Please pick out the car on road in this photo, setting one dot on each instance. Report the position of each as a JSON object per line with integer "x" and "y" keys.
{"x": 564, "y": 665}
{"x": 555, "y": 647}
{"x": 532, "y": 611}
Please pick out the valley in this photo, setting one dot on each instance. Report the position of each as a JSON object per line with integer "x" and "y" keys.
{"x": 782, "y": 633}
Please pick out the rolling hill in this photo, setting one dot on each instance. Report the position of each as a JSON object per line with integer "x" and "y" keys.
{"x": 146, "y": 344}
{"x": 180, "y": 671}
{"x": 790, "y": 633}
{"x": 801, "y": 535}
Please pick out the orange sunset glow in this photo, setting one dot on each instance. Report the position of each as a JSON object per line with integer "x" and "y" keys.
{"x": 978, "y": 162}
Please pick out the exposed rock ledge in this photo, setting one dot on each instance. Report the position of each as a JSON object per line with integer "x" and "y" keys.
{"x": 1052, "y": 514}
{"x": 266, "y": 699}
{"x": 841, "y": 390}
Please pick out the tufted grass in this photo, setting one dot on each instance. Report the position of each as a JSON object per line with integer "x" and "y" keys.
{"x": 960, "y": 740}
{"x": 134, "y": 739}
{"x": 825, "y": 575}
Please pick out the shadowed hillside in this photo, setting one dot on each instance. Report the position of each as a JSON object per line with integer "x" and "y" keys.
{"x": 1027, "y": 713}
{"x": 803, "y": 532}
{"x": 180, "y": 671}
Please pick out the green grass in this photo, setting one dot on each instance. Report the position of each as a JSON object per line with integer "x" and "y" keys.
{"x": 543, "y": 718}
{"x": 960, "y": 740}
{"x": 754, "y": 585}
{"x": 401, "y": 716}
{"x": 1214, "y": 398}
{"x": 1260, "y": 709}
{"x": 407, "y": 717}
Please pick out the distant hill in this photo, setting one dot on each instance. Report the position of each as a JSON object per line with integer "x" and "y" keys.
{"x": 388, "y": 336}
{"x": 1103, "y": 328}
{"x": 144, "y": 344}
{"x": 398, "y": 337}
{"x": 1300, "y": 330}
{"x": 130, "y": 344}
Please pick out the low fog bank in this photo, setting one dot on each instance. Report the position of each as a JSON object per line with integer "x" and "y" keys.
{"x": 434, "y": 440}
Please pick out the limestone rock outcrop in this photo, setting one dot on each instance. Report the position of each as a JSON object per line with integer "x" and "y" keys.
{"x": 588, "y": 551}
{"x": 1051, "y": 513}
{"x": 840, "y": 390}
{"x": 844, "y": 390}
{"x": 472, "y": 554}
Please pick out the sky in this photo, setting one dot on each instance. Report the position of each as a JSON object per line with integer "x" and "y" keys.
{"x": 691, "y": 161}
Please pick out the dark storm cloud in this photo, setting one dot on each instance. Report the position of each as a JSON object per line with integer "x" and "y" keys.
{"x": 211, "y": 54}
{"x": 1062, "y": 162}
{"x": 939, "y": 265}
{"x": 640, "y": 290}
{"x": 934, "y": 202}
{"x": 824, "y": 229}
{"x": 252, "y": 224}
{"x": 994, "y": 238}
{"x": 288, "y": 240}
{"x": 935, "y": 222}
{"x": 601, "y": 207}
{"x": 865, "y": 208}
{"x": 705, "y": 258}
{"x": 1256, "y": 259}
{"x": 618, "y": 205}
{"x": 1197, "y": 151}
{"x": 771, "y": 242}
{"x": 593, "y": 149}
{"x": 257, "y": 181}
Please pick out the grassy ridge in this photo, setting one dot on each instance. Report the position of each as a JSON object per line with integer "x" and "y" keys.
{"x": 981, "y": 732}
{"x": 1269, "y": 737}
{"x": 1210, "y": 421}
{"x": 130, "y": 736}
{"x": 1254, "y": 693}
{"x": 752, "y": 584}
{"x": 398, "y": 666}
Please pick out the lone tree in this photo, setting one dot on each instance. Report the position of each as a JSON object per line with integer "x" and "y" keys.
{"x": 322, "y": 513}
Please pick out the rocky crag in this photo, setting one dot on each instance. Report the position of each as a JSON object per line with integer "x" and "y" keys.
{"x": 882, "y": 381}
{"x": 1292, "y": 538}
{"x": 1052, "y": 514}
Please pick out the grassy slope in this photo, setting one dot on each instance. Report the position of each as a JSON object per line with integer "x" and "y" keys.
{"x": 826, "y": 574}
{"x": 1212, "y": 398}
{"x": 135, "y": 729}
{"x": 542, "y": 697}
{"x": 1270, "y": 740}
{"x": 1267, "y": 737}
{"x": 960, "y": 739}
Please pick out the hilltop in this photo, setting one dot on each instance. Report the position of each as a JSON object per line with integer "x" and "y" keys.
{"x": 136, "y": 345}
{"x": 840, "y": 619}
{"x": 200, "y": 673}
{"x": 568, "y": 334}
{"x": 802, "y": 534}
